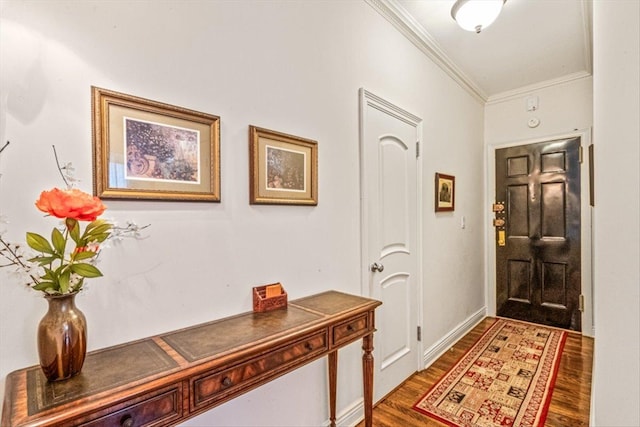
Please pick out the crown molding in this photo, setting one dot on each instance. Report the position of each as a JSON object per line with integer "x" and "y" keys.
{"x": 525, "y": 90}
{"x": 406, "y": 24}
{"x": 412, "y": 30}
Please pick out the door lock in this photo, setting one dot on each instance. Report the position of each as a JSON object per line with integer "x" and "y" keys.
{"x": 377, "y": 267}
{"x": 502, "y": 238}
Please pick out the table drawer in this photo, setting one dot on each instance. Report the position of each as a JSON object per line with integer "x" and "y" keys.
{"x": 350, "y": 329}
{"x": 239, "y": 378}
{"x": 151, "y": 409}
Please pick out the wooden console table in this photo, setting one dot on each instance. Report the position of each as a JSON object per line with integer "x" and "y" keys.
{"x": 165, "y": 379}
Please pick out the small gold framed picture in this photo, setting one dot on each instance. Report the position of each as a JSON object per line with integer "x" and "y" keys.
{"x": 283, "y": 168}
{"x": 445, "y": 192}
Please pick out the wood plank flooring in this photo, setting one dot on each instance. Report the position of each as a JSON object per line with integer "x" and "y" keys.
{"x": 569, "y": 403}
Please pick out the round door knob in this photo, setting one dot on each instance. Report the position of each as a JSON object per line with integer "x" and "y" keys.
{"x": 377, "y": 267}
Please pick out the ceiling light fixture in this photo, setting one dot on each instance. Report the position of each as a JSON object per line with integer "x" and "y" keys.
{"x": 476, "y": 15}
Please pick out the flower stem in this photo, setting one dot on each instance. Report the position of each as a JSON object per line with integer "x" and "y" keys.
{"x": 55, "y": 154}
{"x": 14, "y": 259}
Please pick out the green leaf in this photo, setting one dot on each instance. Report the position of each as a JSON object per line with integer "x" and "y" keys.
{"x": 43, "y": 286}
{"x": 84, "y": 255}
{"x": 96, "y": 223}
{"x": 103, "y": 228}
{"x": 74, "y": 231}
{"x": 99, "y": 237}
{"x": 59, "y": 271}
{"x": 85, "y": 270}
{"x": 39, "y": 243}
{"x": 92, "y": 235}
{"x": 64, "y": 282}
{"x": 59, "y": 242}
{"x": 44, "y": 260}
{"x": 49, "y": 275}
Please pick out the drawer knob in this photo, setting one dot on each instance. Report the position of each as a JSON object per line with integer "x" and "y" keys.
{"x": 226, "y": 381}
{"x": 127, "y": 421}
{"x": 308, "y": 346}
{"x": 350, "y": 328}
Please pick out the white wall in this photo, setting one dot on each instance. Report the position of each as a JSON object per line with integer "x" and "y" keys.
{"x": 616, "y": 79}
{"x": 290, "y": 66}
{"x": 453, "y": 256}
{"x": 562, "y": 108}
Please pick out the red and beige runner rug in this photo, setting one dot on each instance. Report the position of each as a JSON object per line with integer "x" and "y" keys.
{"x": 505, "y": 379}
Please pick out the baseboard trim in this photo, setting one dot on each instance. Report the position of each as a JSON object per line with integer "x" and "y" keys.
{"x": 444, "y": 344}
{"x": 351, "y": 416}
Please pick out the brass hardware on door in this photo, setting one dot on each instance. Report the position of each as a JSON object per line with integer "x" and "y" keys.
{"x": 499, "y": 222}
{"x": 502, "y": 240}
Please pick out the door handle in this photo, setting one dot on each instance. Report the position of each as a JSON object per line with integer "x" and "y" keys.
{"x": 377, "y": 267}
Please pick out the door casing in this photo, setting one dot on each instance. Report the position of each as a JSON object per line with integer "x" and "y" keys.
{"x": 588, "y": 327}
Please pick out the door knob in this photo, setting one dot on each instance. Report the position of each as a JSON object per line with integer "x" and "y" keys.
{"x": 377, "y": 267}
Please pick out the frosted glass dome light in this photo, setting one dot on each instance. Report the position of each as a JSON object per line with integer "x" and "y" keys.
{"x": 476, "y": 15}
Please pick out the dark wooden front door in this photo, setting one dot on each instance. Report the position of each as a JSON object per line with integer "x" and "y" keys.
{"x": 538, "y": 246}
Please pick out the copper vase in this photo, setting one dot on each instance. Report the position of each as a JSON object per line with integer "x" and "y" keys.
{"x": 62, "y": 338}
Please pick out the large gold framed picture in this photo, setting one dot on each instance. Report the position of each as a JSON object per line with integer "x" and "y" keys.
{"x": 283, "y": 168}
{"x": 144, "y": 149}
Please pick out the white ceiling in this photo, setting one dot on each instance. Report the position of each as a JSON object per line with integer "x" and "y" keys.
{"x": 532, "y": 43}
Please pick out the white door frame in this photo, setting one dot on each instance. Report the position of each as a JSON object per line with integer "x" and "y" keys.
{"x": 588, "y": 327}
{"x": 369, "y": 99}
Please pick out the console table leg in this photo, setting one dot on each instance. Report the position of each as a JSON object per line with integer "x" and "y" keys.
{"x": 367, "y": 376}
{"x": 333, "y": 382}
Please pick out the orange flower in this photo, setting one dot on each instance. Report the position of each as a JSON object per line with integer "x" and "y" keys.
{"x": 72, "y": 203}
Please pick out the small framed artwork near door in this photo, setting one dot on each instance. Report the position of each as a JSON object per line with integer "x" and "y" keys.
{"x": 445, "y": 192}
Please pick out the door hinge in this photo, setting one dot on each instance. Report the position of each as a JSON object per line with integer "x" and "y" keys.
{"x": 417, "y": 148}
{"x": 581, "y": 303}
{"x": 419, "y": 333}
{"x": 580, "y": 155}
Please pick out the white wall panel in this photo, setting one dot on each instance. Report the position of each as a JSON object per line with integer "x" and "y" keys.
{"x": 616, "y": 81}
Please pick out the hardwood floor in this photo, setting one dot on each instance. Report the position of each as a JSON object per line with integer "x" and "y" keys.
{"x": 569, "y": 403}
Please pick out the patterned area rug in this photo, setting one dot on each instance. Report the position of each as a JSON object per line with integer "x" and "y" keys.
{"x": 505, "y": 379}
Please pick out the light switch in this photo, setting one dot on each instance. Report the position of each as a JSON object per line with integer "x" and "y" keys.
{"x": 532, "y": 103}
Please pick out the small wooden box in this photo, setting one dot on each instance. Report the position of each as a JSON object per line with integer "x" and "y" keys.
{"x": 269, "y": 297}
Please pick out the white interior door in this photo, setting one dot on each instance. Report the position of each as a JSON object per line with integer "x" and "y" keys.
{"x": 390, "y": 235}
